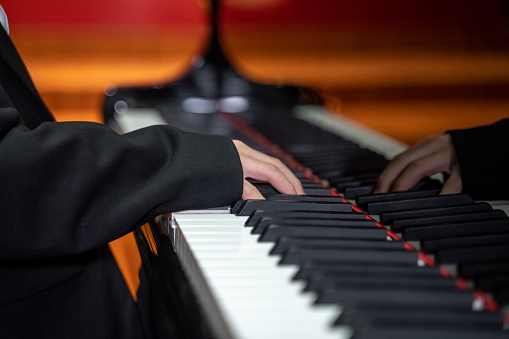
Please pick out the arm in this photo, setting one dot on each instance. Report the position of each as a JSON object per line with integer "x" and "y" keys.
{"x": 476, "y": 160}
{"x": 69, "y": 187}
{"x": 433, "y": 155}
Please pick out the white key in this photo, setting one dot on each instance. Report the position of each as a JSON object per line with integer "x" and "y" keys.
{"x": 257, "y": 298}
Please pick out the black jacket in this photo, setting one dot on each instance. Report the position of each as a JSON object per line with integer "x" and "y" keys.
{"x": 484, "y": 160}
{"x": 67, "y": 189}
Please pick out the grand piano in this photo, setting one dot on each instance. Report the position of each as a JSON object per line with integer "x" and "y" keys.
{"x": 339, "y": 262}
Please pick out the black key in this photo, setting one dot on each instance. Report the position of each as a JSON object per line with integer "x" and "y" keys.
{"x": 353, "y": 192}
{"x": 310, "y": 267}
{"x": 267, "y": 191}
{"x": 351, "y": 160}
{"x": 397, "y": 316}
{"x": 424, "y": 184}
{"x": 473, "y": 254}
{"x": 274, "y": 232}
{"x": 285, "y": 243}
{"x": 341, "y": 187}
{"x": 493, "y": 282}
{"x": 424, "y": 298}
{"x": 425, "y": 331}
{"x": 502, "y": 297}
{"x": 472, "y": 270}
{"x": 334, "y": 160}
{"x": 401, "y": 224}
{"x": 257, "y": 215}
{"x": 354, "y": 177}
{"x": 363, "y": 200}
{"x": 437, "y": 201}
{"x": 250, "y": 205}
{"x": 387, "y": 218}
{"x": 318, "y": 281}
{"x": 237, "y": 205}
{"x": 296, "y": 255}
{"x": 353, "y": 169}
{"x": 433, "y": 245}
{"x": 466, "y": 228}
{"x": 305, "y": 198}
{"x": 266, "y": 222}
{"x": 317, "y": 191}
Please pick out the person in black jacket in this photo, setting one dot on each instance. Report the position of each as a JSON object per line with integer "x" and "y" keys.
{"x": 476, "y": 160}
{"x": 68, "y": 189}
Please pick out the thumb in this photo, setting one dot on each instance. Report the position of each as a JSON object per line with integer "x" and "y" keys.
{"x": 250, "y": 192}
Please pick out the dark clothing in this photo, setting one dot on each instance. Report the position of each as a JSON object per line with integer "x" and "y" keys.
{"x": 67, "y": 189}
{"x": 484, "y": 160}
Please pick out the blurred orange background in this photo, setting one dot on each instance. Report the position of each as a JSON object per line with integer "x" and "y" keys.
{"x": 406, "y": 68}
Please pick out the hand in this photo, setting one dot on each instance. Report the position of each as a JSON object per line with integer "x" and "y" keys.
{"x": 430, "y": 156}
{"x": 259, "y": 166}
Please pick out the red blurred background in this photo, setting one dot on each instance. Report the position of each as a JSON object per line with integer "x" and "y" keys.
{"x": 408, "y": 68}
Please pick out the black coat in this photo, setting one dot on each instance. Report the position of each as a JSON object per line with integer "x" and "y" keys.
{"x": 483, "y": 156}
{"x": 67, "y": 189}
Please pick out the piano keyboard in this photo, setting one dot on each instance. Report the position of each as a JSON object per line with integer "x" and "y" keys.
{"x": 340, "y": 262}
{"x": 242, "y": 286}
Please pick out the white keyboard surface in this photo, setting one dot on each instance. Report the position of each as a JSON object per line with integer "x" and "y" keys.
{"x": 242, "y": 290}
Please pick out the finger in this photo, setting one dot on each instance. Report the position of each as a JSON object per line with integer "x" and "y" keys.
{"x": 454, "y": 184}
{"x": 417, "y": 170}
{"x": 250, "y": 192}
{"x": 254, "y": 154}
{"x": 248, "y": 154}
{"x": 263, "y": 171}
{"x": 401, "y": 162}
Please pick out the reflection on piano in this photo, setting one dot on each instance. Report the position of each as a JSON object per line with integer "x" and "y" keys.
{"x": 339, "y": 262}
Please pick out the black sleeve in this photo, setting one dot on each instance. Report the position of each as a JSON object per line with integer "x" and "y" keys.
{"x": 66, "y": 188}
{"x": 484, "y": 160}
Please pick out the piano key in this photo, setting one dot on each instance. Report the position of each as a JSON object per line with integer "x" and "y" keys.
{"x": 352, "y": 169}
{"x": 353, "y": 192}
{"x": 473, "y": 254}
{"x": 426, "y": 298}
{"x": 394, "y": 316}
{"x": 342, "y": 186}
{"x": 249, "y": 206}
{"x": 254, "y": 218}
{"x": 266, "y": 222}
{"x": 437, "y": 201}
{"x": 320, "y": 280}
{"x": 472, "y": 270}
{"x": 309, "y": 267}
{"x": 362, "y": 201}
{"x": 493, "y": 282}
{"x": 354, "y": 177}
{"x": 400, "y": 224}
{"x": 296, "y": 255}
{"x": 433, "y": 245}
{"x": 224, "y": 271}
{"x": 283, "y": 244}
{"x": 317, "y": 191}
{"x": 306, "y": 198}
{"x": 387, "y": 218}
{"x": 274, "y": 232}
{"x": 424, "y": 331}
{"x": 465, "y": 228}
{"x": 502, "y": 297}
{"x": 348, "y": 162}
{"x": 366, "y": 189}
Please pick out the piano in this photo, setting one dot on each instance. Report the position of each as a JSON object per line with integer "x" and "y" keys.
{"x": 339, "y": 262}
